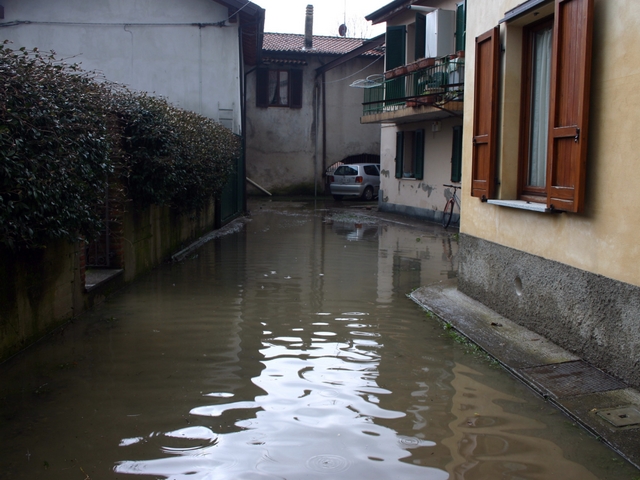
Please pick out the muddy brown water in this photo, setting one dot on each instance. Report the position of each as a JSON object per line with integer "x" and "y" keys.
{"x": 285, "y": 349}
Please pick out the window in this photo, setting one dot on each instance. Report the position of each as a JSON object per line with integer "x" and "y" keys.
{"x": 536, "y": 95}
{"x": 278, "y": 88}
{"x": 410, "y": 154}
{"x": 554, "y": 106}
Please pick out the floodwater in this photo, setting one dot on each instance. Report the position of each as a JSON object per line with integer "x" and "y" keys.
{"x": 285, "y": 349}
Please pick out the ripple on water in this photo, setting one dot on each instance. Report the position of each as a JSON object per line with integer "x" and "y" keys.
{"x": 413, "y": 442}
{"x": 328, "y": 463}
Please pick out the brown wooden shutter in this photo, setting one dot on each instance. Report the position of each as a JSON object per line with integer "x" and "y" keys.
{"x": 569, "y": 107}
{"x": 295, "y": 79}
{"x": 485, "y": 114}
{"x": 262, "y": 87}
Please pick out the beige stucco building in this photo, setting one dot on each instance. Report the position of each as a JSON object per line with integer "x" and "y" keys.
{"x": 549, "y": 209}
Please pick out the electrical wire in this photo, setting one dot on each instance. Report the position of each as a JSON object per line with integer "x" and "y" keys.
{"x": 355, "y": 73}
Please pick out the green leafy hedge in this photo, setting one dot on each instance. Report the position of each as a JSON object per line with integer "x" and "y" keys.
{"x": 176, "y": 157}
{"x": 58, "y": 129}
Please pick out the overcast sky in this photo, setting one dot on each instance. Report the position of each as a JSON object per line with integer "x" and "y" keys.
{"x": 287, "y": 16}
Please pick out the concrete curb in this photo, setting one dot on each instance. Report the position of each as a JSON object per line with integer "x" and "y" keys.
{"x": 589, "y": 396}
{"x": 231, "y": 227}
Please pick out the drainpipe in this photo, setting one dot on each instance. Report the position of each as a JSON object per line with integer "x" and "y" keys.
{"x": 316, "y": 115}
{"x": 324, "y": 122}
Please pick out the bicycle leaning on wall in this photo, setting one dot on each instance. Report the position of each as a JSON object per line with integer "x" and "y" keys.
{"x": 447, "y": 211}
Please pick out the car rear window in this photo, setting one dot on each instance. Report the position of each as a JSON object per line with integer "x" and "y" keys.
{"x": 346, "y": 170}
{"x": 371, "y": 170}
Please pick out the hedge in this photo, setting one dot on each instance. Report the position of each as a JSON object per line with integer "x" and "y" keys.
{"x": 63, "y": 134}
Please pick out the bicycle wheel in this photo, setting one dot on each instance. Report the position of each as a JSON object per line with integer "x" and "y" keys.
{"x": 447, "y": 213}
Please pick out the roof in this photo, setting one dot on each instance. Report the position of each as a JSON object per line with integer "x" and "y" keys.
{"x": 389, "y": 10}
{"x": 294, "y": 43}
{"x": 252, "y": 26}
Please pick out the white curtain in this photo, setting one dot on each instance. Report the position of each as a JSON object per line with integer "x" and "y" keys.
{"x": 284, "y": 88}
{"x": 540, "y": 93}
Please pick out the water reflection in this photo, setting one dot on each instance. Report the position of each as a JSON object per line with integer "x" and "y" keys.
{"x": 285, "y": 350}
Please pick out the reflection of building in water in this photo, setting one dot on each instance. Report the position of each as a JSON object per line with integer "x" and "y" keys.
{"x": 407, "y": 260}
{"x": 491, "y": 442}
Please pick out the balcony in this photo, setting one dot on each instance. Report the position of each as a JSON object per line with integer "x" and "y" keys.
{"x": 427, "y": 89}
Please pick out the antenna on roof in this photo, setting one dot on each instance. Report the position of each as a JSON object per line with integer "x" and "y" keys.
{"x": 342, "y": 29}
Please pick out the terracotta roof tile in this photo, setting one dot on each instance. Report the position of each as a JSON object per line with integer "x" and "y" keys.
{"x": 292, "y": 42}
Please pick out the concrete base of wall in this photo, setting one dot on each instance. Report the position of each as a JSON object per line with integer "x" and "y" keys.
{"x": 433, "y": 216}
{"x": 593, "y": 316}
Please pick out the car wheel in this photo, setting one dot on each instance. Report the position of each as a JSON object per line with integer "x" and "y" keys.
{"x": 338, "y": 197}
{"x": 367, "y": 194}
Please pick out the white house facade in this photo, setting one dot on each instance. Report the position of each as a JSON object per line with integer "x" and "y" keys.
{"x": 188, "y": 52}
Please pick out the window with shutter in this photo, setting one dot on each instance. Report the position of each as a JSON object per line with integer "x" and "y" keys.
{"x": 554, "y": 108}
{"x": 410, "y": 154}
{"x": 279, "y": 88}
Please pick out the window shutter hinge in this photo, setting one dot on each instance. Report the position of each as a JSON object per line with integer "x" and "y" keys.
{"x": 577, "y": 137}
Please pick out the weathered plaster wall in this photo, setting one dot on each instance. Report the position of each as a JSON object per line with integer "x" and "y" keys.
{"x": 591, "y": 315}
{"x": 420, "y": 198}
{"x": 602, "y": 240}
{"x": 570, "y": 277}
{"x": 154, "y": 46}
{"x": 281, "y": 142}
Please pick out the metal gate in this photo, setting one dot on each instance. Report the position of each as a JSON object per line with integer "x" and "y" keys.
{"x": 231, "y": 202}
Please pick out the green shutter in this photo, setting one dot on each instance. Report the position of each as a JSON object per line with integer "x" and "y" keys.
{"x": 395, "y": 47}
{"x": 461, "y": 26}
{"x": 295, "y": 88}
{"x": 395, "y": 57}
{"x": 456, "y": 155}
{"x": 418, "y": 152}
{"x": 399, "y": 153}
{"x": 262, "y": 87}
{"x": 421, "y": 31}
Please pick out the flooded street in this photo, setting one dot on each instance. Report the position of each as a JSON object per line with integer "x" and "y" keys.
{"x": 285, "y": 349}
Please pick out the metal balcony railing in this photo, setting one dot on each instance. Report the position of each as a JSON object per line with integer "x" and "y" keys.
{"x": 434, "y": 85}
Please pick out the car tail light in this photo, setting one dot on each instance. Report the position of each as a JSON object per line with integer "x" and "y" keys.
{"x": 358, "y": 179}
{"x": 331, "y": 179}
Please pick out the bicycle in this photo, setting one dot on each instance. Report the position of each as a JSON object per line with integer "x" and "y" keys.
{"x": 447, "y": 212}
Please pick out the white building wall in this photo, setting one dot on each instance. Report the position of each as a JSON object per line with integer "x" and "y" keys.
{"x": 427, "y": 197}
{"x": 281, "y": 141}
{"x": 148, "y": 45}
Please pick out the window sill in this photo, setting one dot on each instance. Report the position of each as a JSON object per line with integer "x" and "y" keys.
{"x": 522, "y": 205}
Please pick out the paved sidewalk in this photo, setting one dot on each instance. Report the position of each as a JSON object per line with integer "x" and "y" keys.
{"x": 605, "y": 406}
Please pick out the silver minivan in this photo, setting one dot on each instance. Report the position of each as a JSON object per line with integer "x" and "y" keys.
{"x": 357, "y": 180}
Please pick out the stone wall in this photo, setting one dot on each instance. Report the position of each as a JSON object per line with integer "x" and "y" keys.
{"x": 590, "y": 315}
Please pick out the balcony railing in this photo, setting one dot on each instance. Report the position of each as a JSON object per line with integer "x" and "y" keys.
{"x": 428, "y": 82}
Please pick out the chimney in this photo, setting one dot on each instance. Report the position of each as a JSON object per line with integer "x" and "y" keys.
{"x": 308, "y": 28}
